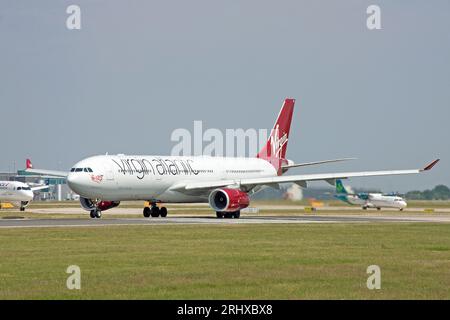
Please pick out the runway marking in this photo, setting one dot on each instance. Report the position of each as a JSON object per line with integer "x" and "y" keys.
{"x": 201, "y": 220}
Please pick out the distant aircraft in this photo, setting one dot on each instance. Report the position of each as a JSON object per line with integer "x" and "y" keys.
{"x": 369, "y": 200}
{"x": 225, "y": 183}
{"x": 17, "y": 193}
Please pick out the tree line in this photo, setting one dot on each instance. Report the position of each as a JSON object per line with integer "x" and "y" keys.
{"x": 440, "y": 192}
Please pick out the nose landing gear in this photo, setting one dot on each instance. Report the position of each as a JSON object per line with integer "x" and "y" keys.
{"x": 23, "y": 204}
{"x": 95, "y": 213}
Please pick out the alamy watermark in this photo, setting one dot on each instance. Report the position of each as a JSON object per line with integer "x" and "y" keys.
{"x": 213, "y": 142}
{"x": 373, "y": 21}
{"x": 73, "y": 21}
{"x": 374, "y": 280}
{"x": 74, "y": 280}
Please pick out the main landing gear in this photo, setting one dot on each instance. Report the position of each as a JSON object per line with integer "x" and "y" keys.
{"x": 154, "y": 211}
{"x": 228, "y": 215}
{"x": 366, "y": 207}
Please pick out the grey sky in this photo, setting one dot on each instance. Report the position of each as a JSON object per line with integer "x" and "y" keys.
{"x": 137, "y": 70}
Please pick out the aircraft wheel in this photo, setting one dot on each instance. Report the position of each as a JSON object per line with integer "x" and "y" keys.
{"x": 364, "y": 208}
{"x": 228, "y": 215}
{"x": 378, "y": 208}
{"x": 163, "y": 212}
{"x": 237, "y": 214}
{"x": 147, "y": 212}
{"x": 98, "y": 214}
{"x": 401, "y": 209}
{"x": 92, "y": 214}
{"x": 219, "y": 214}
{"x": 22, "y": 209}
{"x": 154, "y": 212}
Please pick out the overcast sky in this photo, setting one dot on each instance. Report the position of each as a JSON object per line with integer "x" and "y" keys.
{"x": 137, "y": 70}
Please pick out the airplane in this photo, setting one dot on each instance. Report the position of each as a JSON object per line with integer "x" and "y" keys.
{"x": 17, "y": 193}
{"x": 225, "y": 183}
{"x": 369, "y": 200}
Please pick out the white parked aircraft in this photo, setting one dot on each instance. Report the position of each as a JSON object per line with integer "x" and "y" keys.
{"x": 225, "y": 183}
{"x": 17, "y": 193}
{"x": 369, "y": 200}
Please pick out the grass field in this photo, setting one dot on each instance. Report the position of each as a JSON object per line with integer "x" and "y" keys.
{"x": 308, "y": 261}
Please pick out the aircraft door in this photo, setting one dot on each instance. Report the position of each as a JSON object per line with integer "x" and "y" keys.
{"x": 109, "y": 173}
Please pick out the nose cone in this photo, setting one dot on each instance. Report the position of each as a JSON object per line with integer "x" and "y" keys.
{"x": 75, "y": 182}
{"x": 29, "y": 195}
{"x": 403, "y": 204}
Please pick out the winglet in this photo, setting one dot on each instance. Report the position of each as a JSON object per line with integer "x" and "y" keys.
{"x": 431, "y": 165}
{"x": 29, "y": 164}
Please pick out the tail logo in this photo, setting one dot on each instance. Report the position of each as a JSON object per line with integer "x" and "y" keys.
{"x": 276, "y": 142}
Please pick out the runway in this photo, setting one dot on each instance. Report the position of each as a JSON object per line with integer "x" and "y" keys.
{"x": 201, "y": 220}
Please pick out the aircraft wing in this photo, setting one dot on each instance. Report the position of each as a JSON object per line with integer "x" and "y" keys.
{"x": 39, "y": 188}
{"x": 295, "y": 165}
{"x": 248, "y": 184}
{"x": 53, "y": 173}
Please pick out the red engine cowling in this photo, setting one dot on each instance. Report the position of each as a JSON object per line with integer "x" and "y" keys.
{"x": 89, "y": 205}
{"x": 228, "y": 200}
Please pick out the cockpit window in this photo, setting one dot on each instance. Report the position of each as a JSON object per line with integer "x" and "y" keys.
{"x": 19, "y": 188}
{"x": 81, "y": 170}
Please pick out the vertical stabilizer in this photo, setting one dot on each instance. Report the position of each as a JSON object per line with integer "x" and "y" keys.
{"x": 275, "y": 149}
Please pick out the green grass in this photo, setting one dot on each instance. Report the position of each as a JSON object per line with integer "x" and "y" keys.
{"x": 307, "y": 261}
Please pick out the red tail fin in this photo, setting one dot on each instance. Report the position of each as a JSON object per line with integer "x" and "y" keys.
{"x": 29, "y": 164}
{"x": 275, "y": 149}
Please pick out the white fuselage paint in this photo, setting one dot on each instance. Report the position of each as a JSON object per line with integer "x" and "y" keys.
{"x": 125, "y": 177}
{"x": 15, "y": 192}
{"x": 378, "y": 200}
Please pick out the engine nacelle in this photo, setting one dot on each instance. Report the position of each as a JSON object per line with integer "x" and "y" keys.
{"x": 89, "y": 205}
{"x": 228, "y": 200}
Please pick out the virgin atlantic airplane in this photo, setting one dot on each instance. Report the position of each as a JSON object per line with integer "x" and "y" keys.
{"x": 224, "y": 182}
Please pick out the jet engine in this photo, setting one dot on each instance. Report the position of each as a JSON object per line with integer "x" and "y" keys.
{"x": 228, "y": 200}
{"x": 89, "y": 205}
